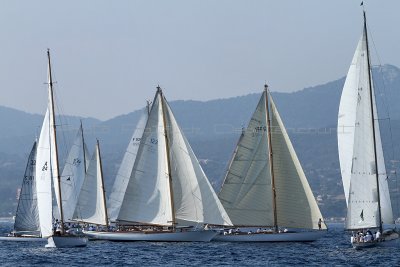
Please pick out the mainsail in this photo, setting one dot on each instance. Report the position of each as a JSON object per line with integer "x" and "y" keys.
{"x": 90, "y": 207}
{"x": 247, "y": 191}
{"x": 73, "y": 174}
{"x": 167, "y": 185}
{"x": 356, "y": 147}
{"x": 27, "y": 217}
{"x": 124, "y": 173}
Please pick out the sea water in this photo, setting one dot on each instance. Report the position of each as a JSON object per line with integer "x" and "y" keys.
{"x": 332, "y": 250}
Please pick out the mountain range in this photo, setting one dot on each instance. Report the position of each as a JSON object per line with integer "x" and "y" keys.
{"x": 212, "y": 128}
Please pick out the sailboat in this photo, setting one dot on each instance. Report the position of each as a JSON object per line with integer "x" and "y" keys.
{"x": 265, "y": 189}
{"x": 167, "y": 196}
{"x": 26, "y": 225}
{"x": 91, "y": 204}
{"x": 361, "y": 157}
{"x": 73, "y": 175}
{"x": 48, "y": 179}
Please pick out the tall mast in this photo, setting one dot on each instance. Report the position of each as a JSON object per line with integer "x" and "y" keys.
{"x": 373, "y": 122}
{"x": 58, "y": 190}
{"x": 159, "y": 91}
{"x": 83, "y": 147}
{"x": 102, "y": 183}
{"x": 271, "y": 162}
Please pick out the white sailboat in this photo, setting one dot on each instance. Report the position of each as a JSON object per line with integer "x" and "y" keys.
{"x": 91, "y": 204}
{"x": 166, "y": 195}
{"x": 265, "y": 186}
{"x": 361, "y": 155}
{"x": 26, "y": 225}
{"x": 73, "y": 175}
{"x": 48, "y": 178}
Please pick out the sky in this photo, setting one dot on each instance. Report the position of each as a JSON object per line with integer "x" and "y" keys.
{"x": 109, "y": 56}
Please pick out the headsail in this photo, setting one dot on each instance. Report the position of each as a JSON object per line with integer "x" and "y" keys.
{"x": 90, "y": 206}
{"x": 295, "y": 202}
{"x": 195, "y": 201}
{"x": 27, "y": 216}
{"x": 125, "y": 170}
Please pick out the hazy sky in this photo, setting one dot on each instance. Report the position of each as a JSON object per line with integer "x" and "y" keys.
{"x": 108, "y": 56}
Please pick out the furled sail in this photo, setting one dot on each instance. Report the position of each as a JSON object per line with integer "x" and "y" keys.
{"x": 246, "y": 193}
{"x": 195, "y": 201}
{"x": 356, "y": 148}
{"x": 27, "y": 216}
{"x": 73, "y": 175}
{"x": 147, "y": 197}
{"x": 295, "y": 203}
{"x": 125, "y": 170}
{"x": 90, "y": 205}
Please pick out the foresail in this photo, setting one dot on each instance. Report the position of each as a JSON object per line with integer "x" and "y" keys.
{"x": 147, "y": 197}
{"x": 246, "y": 193}
{"x": 43, "y": 178}
{"x": 27, "y": 216}
{"x": 295, "y": 203}
{"x": 194, "y": 198}
{"x": 126, "y": 168}
{"x": 73, "y": 175}
{"x": 90, "y": 205}
{"x": 347, "y": 118}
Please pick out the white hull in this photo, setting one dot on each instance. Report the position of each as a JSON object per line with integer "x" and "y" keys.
{"x": 189, "y": 236}
{"x": 271, "y": 237}
{"x": 66, "y": 241}
{"x": 392, "y": 240}
{"x": 22, "y": 239}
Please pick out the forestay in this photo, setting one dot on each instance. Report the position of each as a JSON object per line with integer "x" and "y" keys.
{"x": 27, "y": 216}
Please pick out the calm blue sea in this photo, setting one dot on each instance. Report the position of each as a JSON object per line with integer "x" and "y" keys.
{"x": 332, "y": 250}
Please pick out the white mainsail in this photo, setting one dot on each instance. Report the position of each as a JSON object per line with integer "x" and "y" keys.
{"x": 356, "y": 147}
{"x": 73, "y": 175}
{"x": 90, "y": 207}
{"x": 27, "y": 216}
{"x": 195, "y": 201}
{"x": 295, "y": 203}
{"x": 147, "y": 197}
{"x": 124, "y": 173}
{"x": 247, "y": 192}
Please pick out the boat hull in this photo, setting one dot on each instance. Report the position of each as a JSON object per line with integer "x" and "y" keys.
{"x": 22, "y": 239}
{"x": 66, "y": 241}
{"x": 189, "y": 236}
{"x": 271, "y": 237}
{"x": 390, "y": 240}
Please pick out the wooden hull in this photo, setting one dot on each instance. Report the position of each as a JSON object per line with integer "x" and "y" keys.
{"x": 66, "y": 242}
{"x": 21, "y": 239}
{"x": 271, "y": 237}
{"x": 189, "y": 236}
